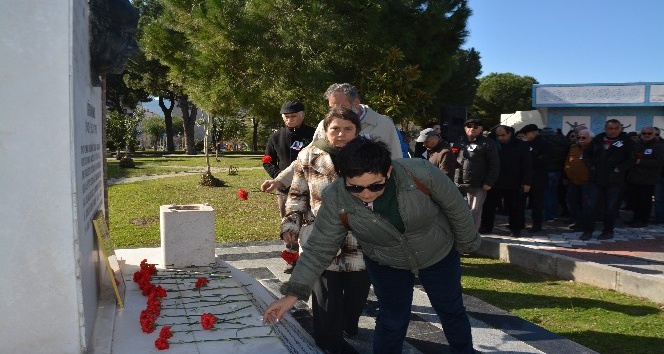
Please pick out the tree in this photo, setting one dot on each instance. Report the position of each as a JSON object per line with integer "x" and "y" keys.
{"x": 144, "y": 70}
{"x": 393, "y": 88}
{"x": 461, "y": 87}
{"x": 122, "y": 129}
{"x": 502, "y": 93}
{"x": 120, "y": 97}
{"x": 155, "y": 128}
{"x": 239, "y": 55}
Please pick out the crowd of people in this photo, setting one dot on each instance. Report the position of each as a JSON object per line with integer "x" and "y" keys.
{"x": 365, "y": 209}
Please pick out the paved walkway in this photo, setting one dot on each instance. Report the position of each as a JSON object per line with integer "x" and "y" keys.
{"x": 192, "y": 171}
{"x": 633, "y": 251}
{"x": 639, "y": 250}
{"x": 494, "y": 330}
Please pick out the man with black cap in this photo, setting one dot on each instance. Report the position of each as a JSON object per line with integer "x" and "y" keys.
{"x": 478, "y": 166}
{"x": 284, "y": 145}
{"x": 539, "y": 154}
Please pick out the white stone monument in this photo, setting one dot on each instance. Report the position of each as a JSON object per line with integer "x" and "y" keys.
{"x": 51, "y": 184}
{"x": 187, "y": 235}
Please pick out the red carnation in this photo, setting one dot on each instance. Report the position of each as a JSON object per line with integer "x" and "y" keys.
{"x": 201, "y": 282}
{"x": 161, "y": 343}
{"x": 267, "y": 159}
{"x": 158, "y": 291}
{"x": 290, "y": 257}
{"x": 147, "y": 324}
{"x": 165, "y": 332}
{"x": 455, "y": 150}
{"x": 208, "y": 320}
{"x": 243, "y": 194}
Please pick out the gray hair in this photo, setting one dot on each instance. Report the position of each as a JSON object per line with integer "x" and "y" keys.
{"x": 347, "y": 89}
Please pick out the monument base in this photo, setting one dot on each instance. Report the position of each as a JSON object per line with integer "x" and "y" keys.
{"x": 236, "y": 299}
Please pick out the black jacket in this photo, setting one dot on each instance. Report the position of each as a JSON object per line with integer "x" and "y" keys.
{"x": 648, "y": 170}
{"x": 516, "y": 165}
{"x": 478, "y": 162}
{"x": 539, "y": 153}
{"x": 284, "y": 145}
{"x": 608, "y": 167}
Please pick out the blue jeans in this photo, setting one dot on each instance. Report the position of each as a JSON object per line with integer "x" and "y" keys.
{"x": 551, "y": 196}
{"x": 611, "y": 195}
{"x": 394, "y": 290}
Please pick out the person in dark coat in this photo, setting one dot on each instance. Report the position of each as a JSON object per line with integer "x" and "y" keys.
{"x": 609, "y": 157}
{"x": 281, "y": 150}
{"x": 439, "y": 154}
{"x": 478, "y": 166}
{"x": 515, "y": 178}
{"x": 539, "y": 154}
{"x": 644, "y": 176}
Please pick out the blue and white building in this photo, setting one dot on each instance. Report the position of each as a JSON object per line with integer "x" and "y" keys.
{"x": 635, "y": 105}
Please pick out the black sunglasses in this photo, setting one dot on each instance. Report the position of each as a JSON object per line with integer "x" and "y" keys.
{"x": 374, "y": 187}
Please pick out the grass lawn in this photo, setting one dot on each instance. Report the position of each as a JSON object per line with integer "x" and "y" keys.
{"x": 603, "y": 320}
{"x": 166, "y": 164}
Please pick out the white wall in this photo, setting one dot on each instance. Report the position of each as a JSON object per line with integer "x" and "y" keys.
{"x": 48, "y": 296}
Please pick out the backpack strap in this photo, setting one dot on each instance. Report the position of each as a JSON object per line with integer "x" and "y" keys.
{"x": 419, "y": 184}
{"x": 343, "y": 216}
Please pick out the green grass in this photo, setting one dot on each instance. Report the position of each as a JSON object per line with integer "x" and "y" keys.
{"x": 134, "y": 208}
{"x": 159, "y": 165}
{"x": 603, "y": 320}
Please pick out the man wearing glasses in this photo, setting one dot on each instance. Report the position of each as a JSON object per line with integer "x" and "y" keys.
{"x": 644, "y": 176}
{"x": 478, "y": 166}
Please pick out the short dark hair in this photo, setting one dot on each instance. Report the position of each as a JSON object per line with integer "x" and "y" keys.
{"x": 612, "y": 121}
{"x": 431, "y": 124}
{"x": 363, "y": 155}
{"x": 341, "y": 112}
{"x": 506, "y": 128}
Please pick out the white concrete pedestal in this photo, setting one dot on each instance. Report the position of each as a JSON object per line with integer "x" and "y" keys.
{"x": 187, "y": 235}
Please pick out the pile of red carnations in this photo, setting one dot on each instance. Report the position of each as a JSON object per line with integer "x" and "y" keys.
{"x": 149, "y": 315}
{"x": 155, "y": 293}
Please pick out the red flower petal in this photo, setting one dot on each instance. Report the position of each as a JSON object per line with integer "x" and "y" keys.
{"x": 161, "y": 343}
{"x": 243, "y": 194}
{"x": 201, "y": 282}
{"x": 208, "y": 320}
{"x": 267, "y": 159}
{"x": 289, "y": 256}
{"x": 165, "y": 332}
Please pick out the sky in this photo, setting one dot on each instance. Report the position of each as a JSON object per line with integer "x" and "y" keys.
{"x": 570, "y": 41}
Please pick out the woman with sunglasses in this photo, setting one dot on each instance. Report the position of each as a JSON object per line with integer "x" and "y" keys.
{"x": 409, "y": 219}
{"x": 339, "y": 295}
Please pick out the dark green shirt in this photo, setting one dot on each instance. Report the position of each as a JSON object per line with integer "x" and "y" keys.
{"x": 387, "y": 205}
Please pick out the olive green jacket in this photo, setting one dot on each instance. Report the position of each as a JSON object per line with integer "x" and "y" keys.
{"x": 434, "y": 224}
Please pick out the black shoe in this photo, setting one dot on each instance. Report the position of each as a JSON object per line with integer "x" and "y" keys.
{"x": 515, "y": 233}
{"x": 586, "y": 235}
{"x": 638, "y": 224}
{"x": 628, "y": 222}
{"x": 606, "y": 235}
{"x": 484, "y": 230}
{"x": 535, "y": 229}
